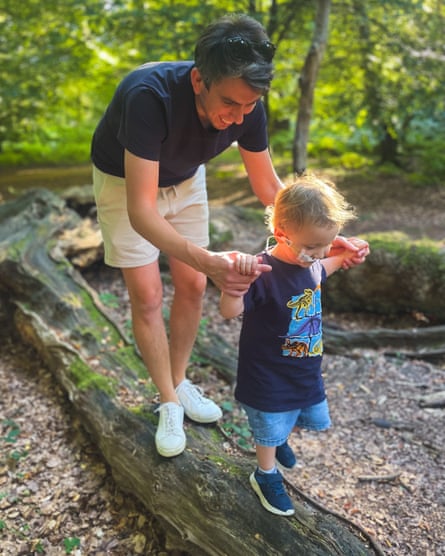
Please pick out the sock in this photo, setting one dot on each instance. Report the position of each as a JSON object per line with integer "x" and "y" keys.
{"x": 268, "y": 471}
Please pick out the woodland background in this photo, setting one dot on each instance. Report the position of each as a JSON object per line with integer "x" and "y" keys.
{"x": 376, "y": 126}
{"x": 379, "y": 96}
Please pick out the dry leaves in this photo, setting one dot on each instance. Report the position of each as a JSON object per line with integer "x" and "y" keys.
{"x": 56, "y": 494}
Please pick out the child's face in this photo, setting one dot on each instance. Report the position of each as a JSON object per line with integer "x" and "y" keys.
{"x": 304, "y": 245}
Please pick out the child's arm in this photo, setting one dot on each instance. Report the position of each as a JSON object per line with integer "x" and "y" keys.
{"x": 347, "y": 258}
{"x": 229, "y": 305}
{"x": 359, "y": 246}
{"x": 331, "y": 264}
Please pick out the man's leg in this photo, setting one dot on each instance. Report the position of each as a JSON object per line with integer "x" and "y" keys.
{"x": 145, "y": 291}
{"x": 185, "y": 315}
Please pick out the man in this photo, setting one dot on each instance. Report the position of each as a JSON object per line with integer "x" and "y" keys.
{"x": 165, "y": 121}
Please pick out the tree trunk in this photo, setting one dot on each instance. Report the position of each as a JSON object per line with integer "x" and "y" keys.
{"x": 307, "y": 80}
{"x": 202, "y": 496}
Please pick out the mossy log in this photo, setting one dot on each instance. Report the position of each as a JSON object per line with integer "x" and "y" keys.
{"x": 399, "y": 276}
{"x": 202, "y": 496}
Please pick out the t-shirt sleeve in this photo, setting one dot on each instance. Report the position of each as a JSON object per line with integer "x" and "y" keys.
{"x": 256, "y": 295}
{"x": 255, "y": 136}
{"x": 142, "y": 126}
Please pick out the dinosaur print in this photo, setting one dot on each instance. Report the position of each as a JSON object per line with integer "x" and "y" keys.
{"x": 304, "y": 334}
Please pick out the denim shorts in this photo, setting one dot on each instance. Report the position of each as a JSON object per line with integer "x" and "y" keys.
{"x": 273, "y": 429}
{"x": 184, "y": 206}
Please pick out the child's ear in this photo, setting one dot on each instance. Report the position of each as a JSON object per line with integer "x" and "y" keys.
{"x": 280, "y": 236}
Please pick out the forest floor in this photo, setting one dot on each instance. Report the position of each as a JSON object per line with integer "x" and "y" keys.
{"x": 381, "y": 466}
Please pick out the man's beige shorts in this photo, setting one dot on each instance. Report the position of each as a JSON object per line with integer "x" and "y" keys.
{"x": 184, "y": 206}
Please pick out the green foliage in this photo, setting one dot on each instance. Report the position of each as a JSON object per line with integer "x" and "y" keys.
{"x": 39, "y": 548}
{"x": 241, "y": 434}
{"x": 382, "y": 74}
{"x": 70, "y": 543}
{"x": 109, "y": 300}
{"x": 426, "y": 142}
{"x": 12, "y": 431}
{"x": 18, "y": 455}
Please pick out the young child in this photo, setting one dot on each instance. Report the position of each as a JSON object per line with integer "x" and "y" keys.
{"x": 279, "y": 382}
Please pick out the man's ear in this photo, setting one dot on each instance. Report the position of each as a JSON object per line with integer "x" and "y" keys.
{"x": 197, "y": 81}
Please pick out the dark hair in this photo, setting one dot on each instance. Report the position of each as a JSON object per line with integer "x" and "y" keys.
{"x": 235, "y": 45}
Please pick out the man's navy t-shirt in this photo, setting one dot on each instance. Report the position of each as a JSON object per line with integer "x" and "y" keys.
{"x": 153, "y": 115}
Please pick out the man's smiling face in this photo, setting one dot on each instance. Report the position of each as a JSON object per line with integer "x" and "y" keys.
{"x": 225, "y": 102}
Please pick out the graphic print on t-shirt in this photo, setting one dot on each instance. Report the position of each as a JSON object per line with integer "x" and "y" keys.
{"x": 304, "y": 335}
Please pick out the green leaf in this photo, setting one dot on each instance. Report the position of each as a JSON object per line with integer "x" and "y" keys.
{"x": 70, "y": 543}
{"x": 12, "y": 435}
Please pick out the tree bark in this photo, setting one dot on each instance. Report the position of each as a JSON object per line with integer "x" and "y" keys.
{"x": 307, "y": 81}
{"x": 202, "y": 496}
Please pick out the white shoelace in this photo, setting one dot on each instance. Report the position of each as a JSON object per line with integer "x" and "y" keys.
{"x": 171, "y": 418}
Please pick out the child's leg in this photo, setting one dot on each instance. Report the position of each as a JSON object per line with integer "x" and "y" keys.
{"x": 269, "y": 430}
{"x": 265, "y": 457}
{"x": 285, "y": 456}
{"x": 267, "y": 482}
{"x": 315, "y": 417}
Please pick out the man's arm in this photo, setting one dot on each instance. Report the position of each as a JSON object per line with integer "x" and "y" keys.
{"x": 142, "y": 177}
{"x": 263, "y": 179}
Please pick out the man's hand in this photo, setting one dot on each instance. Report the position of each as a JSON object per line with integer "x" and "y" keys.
{"x": 359, "y": 249}
{"x": 233, "y": 272}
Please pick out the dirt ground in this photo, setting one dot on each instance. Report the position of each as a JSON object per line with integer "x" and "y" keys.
{"x": 381, "y": 465}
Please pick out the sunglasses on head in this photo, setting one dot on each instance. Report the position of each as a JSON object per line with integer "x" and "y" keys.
{"x": 244, "y": 50}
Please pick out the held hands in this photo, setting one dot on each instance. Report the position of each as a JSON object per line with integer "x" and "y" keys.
{"x": 236, "y": 271}
{"x": 247, "y": 265}
{"x": 353, "y": 249}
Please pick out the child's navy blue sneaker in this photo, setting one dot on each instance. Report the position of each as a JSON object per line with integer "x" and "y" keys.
{"x": 285, "y": 456}
{"x": 270, "y": 489}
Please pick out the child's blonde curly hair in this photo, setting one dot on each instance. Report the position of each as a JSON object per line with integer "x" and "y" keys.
{"x": 309, "y": 200}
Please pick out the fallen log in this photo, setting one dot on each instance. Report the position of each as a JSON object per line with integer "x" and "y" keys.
{"x": 400, "y": 276}
{"x": 202, "y": 497}
{"x": 418, "y": 343}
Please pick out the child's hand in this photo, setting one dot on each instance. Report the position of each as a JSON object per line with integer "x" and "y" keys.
{"x": 246, "y": 265}
{"x": 356, "y": 257}
{"x": 353, "y": 249}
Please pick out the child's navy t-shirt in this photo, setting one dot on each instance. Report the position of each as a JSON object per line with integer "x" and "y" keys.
{"x": 280, "y": 351}
{"x": 153, "y": 115}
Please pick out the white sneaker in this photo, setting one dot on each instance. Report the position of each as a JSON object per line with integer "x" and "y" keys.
{"x": 196, "y": 406}
{"x": 170, "y": 436}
